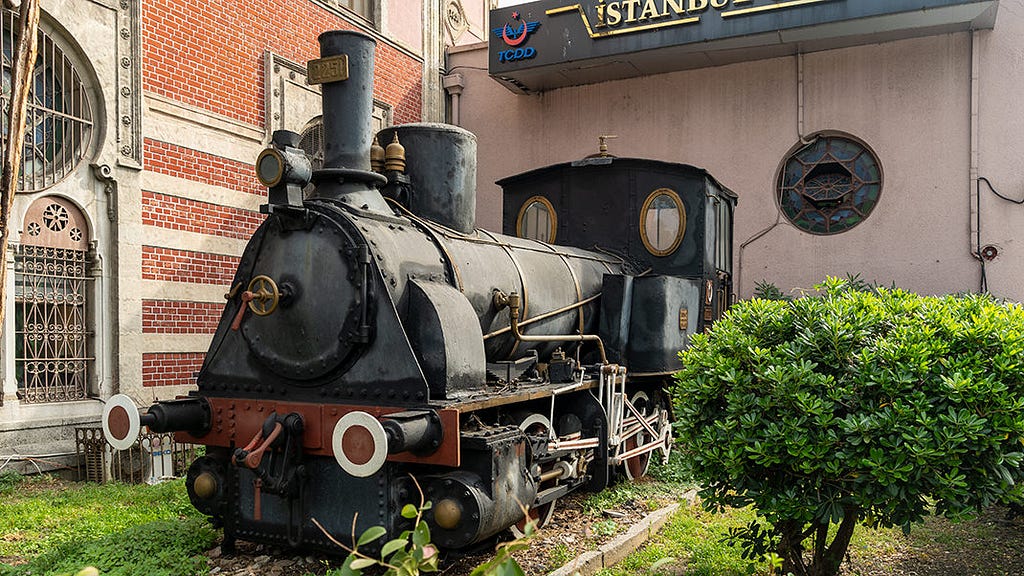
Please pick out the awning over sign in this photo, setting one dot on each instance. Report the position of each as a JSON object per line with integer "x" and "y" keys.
{"x": 555, "y": 43}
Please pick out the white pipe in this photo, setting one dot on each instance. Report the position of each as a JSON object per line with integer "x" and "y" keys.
{"x": 975, "y": 107}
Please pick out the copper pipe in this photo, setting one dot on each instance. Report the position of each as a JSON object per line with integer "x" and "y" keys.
{"x": 513, "y": 306}
{"x": 545, "y": 316}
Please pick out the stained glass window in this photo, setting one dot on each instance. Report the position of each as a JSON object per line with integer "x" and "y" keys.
{"x": 58, "y": 124}
{"x": 829, "y": 185}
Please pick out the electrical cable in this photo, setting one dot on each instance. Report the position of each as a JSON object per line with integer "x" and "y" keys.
{"x": 983, "y": 284}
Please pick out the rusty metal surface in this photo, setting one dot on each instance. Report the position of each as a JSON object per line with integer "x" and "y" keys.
{"x": 236, "y": 421}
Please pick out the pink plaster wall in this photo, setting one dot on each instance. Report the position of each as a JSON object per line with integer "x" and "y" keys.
{"x": 404, "y": 23}
{"x": 908, "y": 100}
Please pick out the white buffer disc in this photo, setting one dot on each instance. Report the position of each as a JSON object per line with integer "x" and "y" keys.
{"x": 121, "y": 422}
{"x": 360, "y": 444}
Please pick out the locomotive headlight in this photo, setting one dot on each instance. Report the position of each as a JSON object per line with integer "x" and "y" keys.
{"x": 270, "y": 167}
{"x": 448, "y": 513}
{"x": 205, "y": 486}
{"x": 282, "y": 163}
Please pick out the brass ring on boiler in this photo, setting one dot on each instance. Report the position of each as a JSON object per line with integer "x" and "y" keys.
{"x": 265, "y": 295}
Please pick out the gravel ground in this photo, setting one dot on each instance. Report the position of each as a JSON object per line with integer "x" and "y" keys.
{"x": 570, "y": 532}
{"x": 990, "y": 545}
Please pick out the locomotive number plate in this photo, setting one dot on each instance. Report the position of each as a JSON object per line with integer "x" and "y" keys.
{"x": 329, "y": 69}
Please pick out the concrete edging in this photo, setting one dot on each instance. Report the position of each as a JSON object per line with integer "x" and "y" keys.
{"x": 617, "y": 549}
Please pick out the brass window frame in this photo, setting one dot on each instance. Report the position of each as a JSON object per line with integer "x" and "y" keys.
{"x": 551, "y": 212}
{"x": 680, "y": 207}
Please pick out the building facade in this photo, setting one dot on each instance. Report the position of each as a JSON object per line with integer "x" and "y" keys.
{"x": 862, "y": 137}
{"x": 138, "y": 190}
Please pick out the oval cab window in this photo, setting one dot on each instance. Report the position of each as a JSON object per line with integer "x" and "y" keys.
{"x": 662, "y": 222}
{"x": 537, "y": 220}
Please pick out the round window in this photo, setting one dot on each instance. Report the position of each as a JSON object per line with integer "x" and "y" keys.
{"x": 537, "y": 220}
{"x": 58, "y": 125}
{"x": 829, "y": 185}
{"x": 662, "y": 222}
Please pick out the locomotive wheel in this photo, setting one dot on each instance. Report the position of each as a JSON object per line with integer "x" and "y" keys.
{"x": 636, "y": 467}
{"x": 536, "y": 425}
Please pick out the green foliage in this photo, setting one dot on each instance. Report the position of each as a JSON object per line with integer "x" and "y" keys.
{"x": 412, "y": 553}
{"x": 161, "y": 548}
{"x": 694, "y": 538}
{"x": 765, "y": 290}
{"x": 41, "y": 512}
{"x": 860, "y": 402}
{"x": 8, "y": 482}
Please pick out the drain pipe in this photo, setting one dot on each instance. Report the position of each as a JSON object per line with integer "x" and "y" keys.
{"x": 975, "y": 198}
{"x": 800, "y": 127}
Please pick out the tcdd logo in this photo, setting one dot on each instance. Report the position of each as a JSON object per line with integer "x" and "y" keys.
{"x": 514, "y": 35}
{"x": 517, "y": 54}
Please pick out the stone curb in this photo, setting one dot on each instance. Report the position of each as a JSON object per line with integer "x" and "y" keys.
{"x": 609, "y": 553}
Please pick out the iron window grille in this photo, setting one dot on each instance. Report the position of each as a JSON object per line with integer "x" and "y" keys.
{"x": 58, "y": 123}
{"x": 51, "y": 287}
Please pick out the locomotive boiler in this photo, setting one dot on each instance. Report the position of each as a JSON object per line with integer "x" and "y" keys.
{"x": 373, "y": 338}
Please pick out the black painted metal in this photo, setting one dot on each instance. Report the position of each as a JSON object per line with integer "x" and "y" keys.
{"x": 384, "y": 310}
{"x": 440, "y": 160}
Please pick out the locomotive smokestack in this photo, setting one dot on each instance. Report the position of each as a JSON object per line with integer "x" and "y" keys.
{"x": 348, "y": 104}
{"x": 345, "y": 70}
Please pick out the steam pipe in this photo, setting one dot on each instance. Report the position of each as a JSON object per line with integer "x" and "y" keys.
{"x": 513, "y": 309}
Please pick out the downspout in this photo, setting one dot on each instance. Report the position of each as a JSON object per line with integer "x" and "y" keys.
{"x": 975, "y": 199}
{"x": 804, "y": 142}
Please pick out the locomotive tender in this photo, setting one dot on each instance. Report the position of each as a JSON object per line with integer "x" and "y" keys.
{"x": 372, "y": 335}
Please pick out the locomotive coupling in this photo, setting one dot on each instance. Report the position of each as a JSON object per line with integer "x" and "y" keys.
{"x": 122, "y": 422}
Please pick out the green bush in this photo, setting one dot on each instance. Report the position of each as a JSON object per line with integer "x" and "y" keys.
{"x": 854, "y": 404}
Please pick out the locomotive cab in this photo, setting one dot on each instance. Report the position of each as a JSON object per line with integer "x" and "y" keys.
{"x": 672, "y": 223}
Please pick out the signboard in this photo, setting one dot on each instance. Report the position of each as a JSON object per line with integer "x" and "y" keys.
{"x": 552, "y": 43}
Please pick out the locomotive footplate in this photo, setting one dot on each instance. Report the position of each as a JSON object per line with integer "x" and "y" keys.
{"x": 236, "y": 421}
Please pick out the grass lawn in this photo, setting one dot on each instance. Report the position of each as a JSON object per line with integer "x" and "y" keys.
{"x": 50, "y": 526}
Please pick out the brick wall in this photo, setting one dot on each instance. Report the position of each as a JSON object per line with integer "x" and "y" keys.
{"x": 171, "y": 265}
{"x": 174, "y": 317}
{"x": 170, "y": 368}
{"x": 201, "y": 167}
{"x": 175, "y": 213}
{"x": 210, "y": 54}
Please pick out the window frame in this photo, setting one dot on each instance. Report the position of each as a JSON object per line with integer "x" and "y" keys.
{"x": 681, "y": 209}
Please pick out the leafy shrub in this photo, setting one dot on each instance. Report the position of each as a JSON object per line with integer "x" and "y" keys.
{"x": 854, "y": 404}
{"x": 161, "y": 548}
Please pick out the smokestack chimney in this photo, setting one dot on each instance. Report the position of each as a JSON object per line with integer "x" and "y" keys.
{"x": 345, "y": 71}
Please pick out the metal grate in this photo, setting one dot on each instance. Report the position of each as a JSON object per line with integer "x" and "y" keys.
{"x": 51, "y": 335}
{"x": 154, "y": 457}
{"x": 58, "y": 128}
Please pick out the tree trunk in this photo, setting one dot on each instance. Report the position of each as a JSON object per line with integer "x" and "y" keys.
{"x": 21, "y": 72}
{"x": 825, "y": 558}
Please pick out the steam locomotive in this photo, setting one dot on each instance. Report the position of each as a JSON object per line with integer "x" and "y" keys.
{"x": 372, "y": 336}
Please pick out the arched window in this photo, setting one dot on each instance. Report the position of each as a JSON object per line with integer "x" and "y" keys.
{"x": 830, "y": 185}
{"x": 51, "y": 291}
{"x": 58, "y": 124}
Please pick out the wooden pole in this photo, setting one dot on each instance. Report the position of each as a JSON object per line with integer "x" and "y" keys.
{"x": 21, "y": 84}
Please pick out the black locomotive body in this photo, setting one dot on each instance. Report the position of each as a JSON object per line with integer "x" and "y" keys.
{"x": 372, "y": 335}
